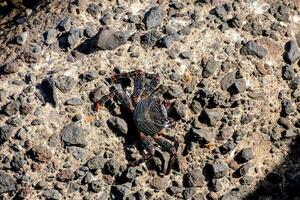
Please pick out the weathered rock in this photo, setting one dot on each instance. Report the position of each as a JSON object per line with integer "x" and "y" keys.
{"x": 11, "y": 108}
{"x": 238, "y": 86}
{"x": 204, "y": 135}
{"x": 287, "y": 107}
{"x": 212, "y": 117}
{"x": 153, "y": 18}
{"x": 74, "y": 102}
{"x": 17, "y": 162}
{"x": 245, "y": 155}
{"x": 73, "y": 37}
{"x": 292, "y": 53}
{"x": 219, "y": 169}
{"x": 73, "y": 135}
{"x": 65, "y": 24}
{"x": 96, "y": 186}
{"x": 120, "y": 191}
{"x": 65, "y": 83}
{"x": 209, "y": 68}
{"x": 150, "y": 38}
{"x": 21, "y": 38}
{"x": 112, "y": 167}
{"x": 65, "y": 175}
{"x": 41, "y": 153}
{"x": 12, "y": 67}
{"x": 160, "y": 183}
{"x": 288, "y": 72}
{"x": 108, "y": 39}
{"x": 254, "y": 49}
{"x": 195, "y": 178}
{"x": 118, "y": 124}
{"x": 6, "y": 132}
{"x": 96, "y": 163}
{"x": 7, "y": 183}
{"x": 52, "y": 194}
{"x": 50, "y": 36}
{"x": 227, "y": 80}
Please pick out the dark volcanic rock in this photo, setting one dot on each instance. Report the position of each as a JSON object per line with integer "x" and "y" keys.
{"x": 49, "y": 92}
{"x": 245, "y": 155}
{"x": 120, "y": 191}
{"x": 118, "y": 124}
{"x": 150, "y": 38}
{"x": 153, "y": 18}
{"x": 288, "y": 72}
{"x": 212, "y": 117}
{"x": 108, "y": 39}
{"x": 254, "y": 49}
{"x": 65, "y": 24}
{"x": 292, "y": 53}
{"x": 219, "y": 169}
{"x": 209, "y": 68}
{"x": 195, "y": 178}
{"x": 203, "y": 135}
{"x": 52, "y": 194}
{"x": 73, "y": 135}
{"x": 7, "y": 183}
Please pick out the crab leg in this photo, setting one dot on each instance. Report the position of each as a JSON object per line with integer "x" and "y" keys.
{"x": 152, "y": 86}
{"x": 166, "y": 145}
{"x": 138, "y": 87}
{"x": 147, "y": 144}
{"x": 121, "y": 95}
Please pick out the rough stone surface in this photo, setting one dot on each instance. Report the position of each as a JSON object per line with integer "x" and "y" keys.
{"x": 73, "y": 135}
{"x": 108, "y": 39}
{"x": 254, "y": 49}
{"x": 7, "y": 183}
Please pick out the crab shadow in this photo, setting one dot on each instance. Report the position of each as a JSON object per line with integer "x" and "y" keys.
{"x": 283, "y": 182}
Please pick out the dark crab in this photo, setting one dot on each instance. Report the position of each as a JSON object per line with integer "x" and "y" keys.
{"x": 149, "y": 113}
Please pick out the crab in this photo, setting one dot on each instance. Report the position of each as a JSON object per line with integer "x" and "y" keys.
{"x": 149, "y": 113}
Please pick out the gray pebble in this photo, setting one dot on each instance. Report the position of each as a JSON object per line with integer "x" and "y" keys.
{"x": 7, "y": 183}
{"x": 52, "y": 194}
{"x": 108, "y": 39}
{"x": 73, "y": 135}
{"x": 292, "y": 53}
{"x": 74, "y": 102}
{"x": 254, "y": 49}
{"x": 119, "y": 124}
{"x": 96, "y": 163}
{"x": 65, "y": 83}
{"x": 153, "y": 18}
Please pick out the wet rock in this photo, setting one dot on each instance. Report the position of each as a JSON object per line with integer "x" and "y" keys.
{"x": 112, "y": 167}
{"x": 150, "y": 38}
{"x": 73, "y": 135}
{"x": 49, "y": 91}
{"x": 254, "y": 49}
{"x": 292, "y": 53}
{"x": 118, "y": 124}
{"x": 21, "y": 38}
{"x": 12, "y": 67}
{"x": 209, "y": 68}
{"x": 212, "y": 117}
{"x": 96, "y": 163}
{"x": 120, "y": 191}
{"x": 195, "y": 178}
{"x": 245, "y": 155}
{"x": 50, "y": 36}
{"x": 65, "y": 24}
{"x": 219, "y": 169}
{"x": 203, "y": 135}
{"x": 153, "y": 18}
{"x": 288, "y": 72}
{"x": 65, "y": 83}
{"x": 65, "y": 175}
{"x": 108, "y": 39}
{"x": 41, "y": 153}
{"x": 52, "y": 194}
{"x": 96, "y": 186}
{"x": 6, "y": 132}
{"x": 159, "y": 183}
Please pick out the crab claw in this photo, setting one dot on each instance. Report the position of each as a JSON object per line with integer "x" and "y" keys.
{"x": 169, "y": 122}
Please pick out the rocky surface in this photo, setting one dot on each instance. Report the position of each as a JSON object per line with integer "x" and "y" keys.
{"x": 230, "y": 70}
